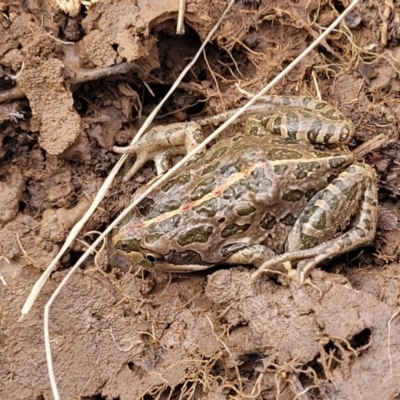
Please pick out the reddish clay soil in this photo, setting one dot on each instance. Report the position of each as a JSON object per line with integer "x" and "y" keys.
{"x": 67, "y": 96}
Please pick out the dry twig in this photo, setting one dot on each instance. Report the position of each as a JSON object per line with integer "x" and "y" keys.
{"x": 371, "y": 145}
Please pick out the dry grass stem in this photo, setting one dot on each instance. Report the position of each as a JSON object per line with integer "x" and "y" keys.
{"x": 388, "y": 341}
{"x": 180, "y": 26}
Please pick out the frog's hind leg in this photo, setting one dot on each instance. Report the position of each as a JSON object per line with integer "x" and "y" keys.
{"x": 301, "y": 124}
{"x": 296, "y": 102}
{"x": 339, "y": 218}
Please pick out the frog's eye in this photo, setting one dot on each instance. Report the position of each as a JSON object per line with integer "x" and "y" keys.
{"x": 154, "y": 258}
{"x": 150, "y": 258}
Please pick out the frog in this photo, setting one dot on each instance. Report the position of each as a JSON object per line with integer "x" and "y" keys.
{"x": 285, "y": 189}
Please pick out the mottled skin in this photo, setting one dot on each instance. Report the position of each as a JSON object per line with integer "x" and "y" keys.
{"x": 287, "y": 185}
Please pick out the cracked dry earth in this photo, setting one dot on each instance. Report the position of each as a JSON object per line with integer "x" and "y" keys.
{"x": 122, "y": 333}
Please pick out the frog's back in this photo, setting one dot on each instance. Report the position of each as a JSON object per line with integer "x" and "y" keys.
{"x": 245, "y": 190}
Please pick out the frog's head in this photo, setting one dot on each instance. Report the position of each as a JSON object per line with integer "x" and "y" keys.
{"x": 136, "y": 251}
{"x": 132, "y": 250}
{"x": 127, "y": 238}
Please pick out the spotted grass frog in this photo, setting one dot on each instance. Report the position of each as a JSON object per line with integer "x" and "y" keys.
{"x": 285, "y": 189}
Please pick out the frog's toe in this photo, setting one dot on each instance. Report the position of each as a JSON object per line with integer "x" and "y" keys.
{"x": 305, "y": 266}
{"x": 282, "y": 264}
{"x": 161, "y": 161}
{"x": 286, "y": 268}
{"x": 141, "y": 158}
{"x": 300, "y": 274}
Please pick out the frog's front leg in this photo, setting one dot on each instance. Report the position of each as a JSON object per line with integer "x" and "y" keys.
{"x": 339, "y": 218}
{"x": 161, "y": 143}
{"x": 258, "y": 255}
{"x": 254, "y": 254}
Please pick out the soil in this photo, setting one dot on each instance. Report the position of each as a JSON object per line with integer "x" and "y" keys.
{"x": 118, "y": 332}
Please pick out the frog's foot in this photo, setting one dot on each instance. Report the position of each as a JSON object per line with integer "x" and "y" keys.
{"x": 161, "y": 143}
{"x": 282, "y": 264}
{"x": 294, "y": 275}
{"x": 276, "y": 264}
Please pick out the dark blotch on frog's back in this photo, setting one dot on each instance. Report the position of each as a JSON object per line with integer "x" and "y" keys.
{"x": 162, "y": 208}
{"x": 268, "y": 221}
{"x": 187, "y": 257}
{"x": 165, "y": 226}
{"x": 258, "y": 182}
{"x": 208, "y": 208}
{"x": 203, "y": 188}
{"x": 288, "y": 220}
{"x": 292, "y": 195}
{"x": 337, "y": 162}
{"x": 283, "y": 154}
{"x": 211, "y": 168}
{"x": 177, "y": 181}
{"x": 198, "y": 234}
{"x": 280, "y": 169}
{"x": 235, "y": 190}
{"x": 216, "y": 155}
{"x": 302, "y": 169}
{"x": 244, "y": 209}
{"x": 233, "y": 228}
